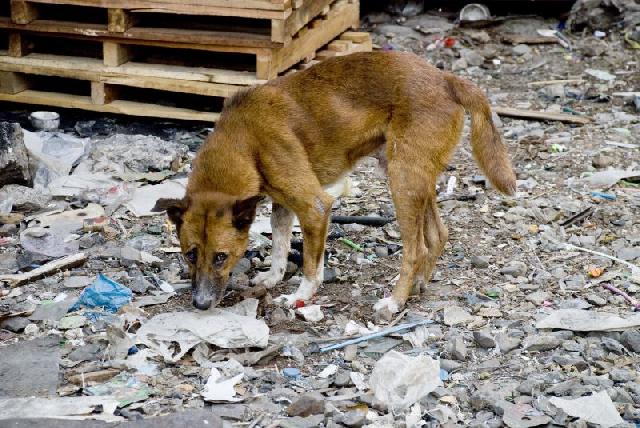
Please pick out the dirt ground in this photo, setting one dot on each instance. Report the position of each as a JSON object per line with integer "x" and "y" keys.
{"x": 510, "y": 263}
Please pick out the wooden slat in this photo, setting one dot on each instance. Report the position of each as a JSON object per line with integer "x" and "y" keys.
{"x": 12, "y": 83}
{"x": 90, "y": 68}
{"x": 119, "y": 107}
{"x": 283, "y": 30}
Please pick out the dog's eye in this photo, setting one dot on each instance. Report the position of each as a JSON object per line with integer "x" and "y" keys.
{"x": 192, "y": 256}
{"x": 219, "y": 259}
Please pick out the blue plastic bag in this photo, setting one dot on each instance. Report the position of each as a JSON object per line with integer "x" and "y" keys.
{"x": 104, "y": 294}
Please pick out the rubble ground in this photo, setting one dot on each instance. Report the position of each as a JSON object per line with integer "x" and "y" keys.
{"x": 528, "y": 321}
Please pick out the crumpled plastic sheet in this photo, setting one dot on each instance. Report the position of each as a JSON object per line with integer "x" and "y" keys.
{"x": 104, "y": 294}
{"x": 401, "y": 381}
{"x": 235, "y": 327}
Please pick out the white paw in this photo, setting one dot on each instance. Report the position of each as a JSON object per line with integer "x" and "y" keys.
{"x": 386, "y": 307}
{"x": 287, "y": 300}
{"x": 267, "y": 279}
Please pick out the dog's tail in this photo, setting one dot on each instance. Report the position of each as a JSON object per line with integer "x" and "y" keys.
{"x": 486, "y": 143}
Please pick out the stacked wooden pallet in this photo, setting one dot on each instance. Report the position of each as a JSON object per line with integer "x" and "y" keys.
{"x": 132, "y": 56}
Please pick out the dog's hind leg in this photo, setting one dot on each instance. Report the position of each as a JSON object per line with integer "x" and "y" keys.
{"x": 435, "y": 237}
{"x": 410, "y": 187}
{"x": 281, "y": 225}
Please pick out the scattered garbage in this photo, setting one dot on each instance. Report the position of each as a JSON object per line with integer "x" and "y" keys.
{"x": 104, "y": 294}
{"x": 587, "y": 320}
{"x": 400, "y": 381}
{"x": 78, "y": 408}
{"x": 45, "y": 120}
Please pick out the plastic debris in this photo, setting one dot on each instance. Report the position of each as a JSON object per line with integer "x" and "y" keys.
{"x": 81, "y": 408}
{"x": 145, "y": 197}
{"x": 221, "y": 382}
{"x": 400, "y": 381}
{"x": 221, "y": 327}
{"x": 104, "y": 294}
{"x": 375, "y": 335}
{"x": 311, "y": 313}
{"x": 123, "y": 387}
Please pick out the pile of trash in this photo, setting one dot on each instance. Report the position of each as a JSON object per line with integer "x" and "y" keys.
{"x": 531, "y": 318}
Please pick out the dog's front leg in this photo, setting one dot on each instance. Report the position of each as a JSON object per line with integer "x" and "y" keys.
{"x": 281, "y": 225}
{"x": 314, "y": 220}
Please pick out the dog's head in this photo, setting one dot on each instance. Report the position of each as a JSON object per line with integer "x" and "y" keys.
{"x": 213, "y": 229}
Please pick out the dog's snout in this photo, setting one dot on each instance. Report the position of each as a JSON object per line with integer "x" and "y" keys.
{"x": 202, "y": 302}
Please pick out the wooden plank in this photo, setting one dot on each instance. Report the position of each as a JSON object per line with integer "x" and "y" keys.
{"x": 23, "y": 12}
{"x": 281, "y": 31}
{"x": 119, "y": 20}
{"x": 45, "y": 270}
{"x": 18, "y": 46}
{"x": 200, "y": 39}
{"x": 343, "y": 15}
{"x": 12, "y": 83}
{"x": 102, "y": 93}
{"x": 115, "y": 54}
{"x": 541, "y": 115}
{"x": 356, "y": 36}
{"x": 259, "y": 11}
{"x": 91, "y": 69}
{"x": 119, "y": 107}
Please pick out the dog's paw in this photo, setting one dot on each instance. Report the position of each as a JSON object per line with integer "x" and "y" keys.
{"x": 267, "y": 279}
{"x": 287, "y": 300}
{"x": 305, "y": 292}
{"x": 385, "y": 308}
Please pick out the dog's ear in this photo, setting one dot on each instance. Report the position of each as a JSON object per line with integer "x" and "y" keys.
{"x": 175, "y": 208}
{"x": 244, "y": 211}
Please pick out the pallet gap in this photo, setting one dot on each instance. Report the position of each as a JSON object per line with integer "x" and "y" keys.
{"x": 46, "y": 44}
{"x": 69, "y": 13}
{"x": 58, "y": 84}
{"x": 205, "y": 59}
{"x": 203, "y": 23}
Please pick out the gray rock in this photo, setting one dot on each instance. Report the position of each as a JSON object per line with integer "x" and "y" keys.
{"x": 457, "y": 349}
{"x": 629, "y": 253}
{"x": 521, "y": 50}
{"x": 353, "y": 418}
{"x": 311, "y": 403}
{"x": 538, "y": 297}
{"x": 569, "y": 360}
{"x": 455, "y": 315}
{"x": 330, "y": 275}
{"x": 623, "y": 375}
{"x": 52, "y": 311}
{"x": 594, "y": 299}
{"x": 572, "y": 346}
{"x": 300, "y": 422}
{"x": 602, "y": 161}
{"x": 381, "y": 251}
{"x": 612, "y": 345}
{"x": 540, "y": 343}
{"x": 515, "y": 268}
{"x": 472, "y": 57}
{"x": 507, "y": 343}
{"x": 484, "y": 339}
{"x": 30, "y": 368}
{"x": 480, "y": 262}
{"x": 89, "y": 352}
{"x": 342, "y": 379}
{"x": 25, "y": 199}
{"x": 531, "y": 386}
{"x": 242, "y": 266}
{"x": 14, "y": 158}
{"x": 459, "y": 64}
{"x": 631, "y": 340}
{"x": 15, "y": 324}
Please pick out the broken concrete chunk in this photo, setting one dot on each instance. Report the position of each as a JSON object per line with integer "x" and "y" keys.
{"x": 14, "y": 158}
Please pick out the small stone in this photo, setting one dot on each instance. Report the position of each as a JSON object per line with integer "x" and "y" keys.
{"x": 343, "y": 379}
{"x": 353, "y": 418}
{"x": 382, "y": 251}
{"x": 449, "y": 365}
{"x": 278, "y": 316}
{"x": 539, "y": 343}
{"x": 629, "y": 253}
{"x": 311, "y": 403}
{"x": 459, "y": 64}
{"x": 457, "y": 349}
{"x": 631, "y": 340}
{"x": 538, "y": 297}
{"x": 480, "y": 262}
{"x": 622, "y": 375}
{"x": 472, "y": 57}
{"x": 330, "y": 275}
{"x": 311, "y": 313}
{"x": 507, "y": 343}
{"x": 89, "y": 352}
{"x": 31, "y": 329}
{"x": 242, "y": 266}
{"x": 455, "y": 315}
{"x": 613, "y": 345}
{"x": 602, "y": 161}
{"x": 594, "y": 299}
{"x": 521, "y": 50}
{"x": 350, "y": 352}
{"x": 515, "y": 268}
{"x": 15, "y": 324}
{"x": 484, "y": 339}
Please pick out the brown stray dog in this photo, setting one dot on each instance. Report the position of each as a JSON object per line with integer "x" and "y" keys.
{"x": 297, "y": 134}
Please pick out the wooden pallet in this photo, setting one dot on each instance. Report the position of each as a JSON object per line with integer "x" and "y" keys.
{"x": 264, "y": 61}
{"x": 137, "y": 89}
{"x": 274, "y": 22}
